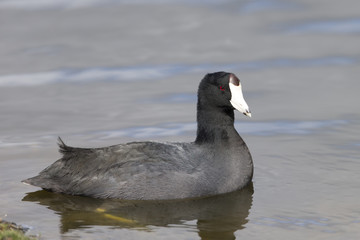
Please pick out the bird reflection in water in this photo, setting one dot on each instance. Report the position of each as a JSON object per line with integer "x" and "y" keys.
{"x": 217, "y": 217}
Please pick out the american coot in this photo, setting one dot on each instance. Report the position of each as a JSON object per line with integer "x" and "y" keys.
{"x": 217, "y": 162}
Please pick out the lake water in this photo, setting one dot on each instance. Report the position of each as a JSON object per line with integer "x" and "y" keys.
{"x": 99, "y": 73}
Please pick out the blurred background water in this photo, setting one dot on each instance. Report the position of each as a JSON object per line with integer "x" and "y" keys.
{"x": 99, "y": 73}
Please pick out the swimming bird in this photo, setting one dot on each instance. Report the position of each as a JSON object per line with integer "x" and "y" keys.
{"x": 217, "y": 162}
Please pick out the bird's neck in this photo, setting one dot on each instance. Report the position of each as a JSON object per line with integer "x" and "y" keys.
{"x": 215, "y": 125}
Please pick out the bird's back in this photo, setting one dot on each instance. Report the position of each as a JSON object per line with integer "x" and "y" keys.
{"x": 136, "y": 170}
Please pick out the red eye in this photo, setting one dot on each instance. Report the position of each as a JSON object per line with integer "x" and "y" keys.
{"x": 222, "y": 88}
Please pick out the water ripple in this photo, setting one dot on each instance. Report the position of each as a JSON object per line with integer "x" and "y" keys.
{"x": 266, "y": 5}
{"x": 180, "y": 129}
{"x": 246, "y": 128}
{"x": 344, "y": 26}
{"x": 292, "y": 221}
{"x": 143, "y": 73}
{"x": 76, "y": 4}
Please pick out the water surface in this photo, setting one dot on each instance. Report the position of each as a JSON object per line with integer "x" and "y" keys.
{"x": 107, "y": 72}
